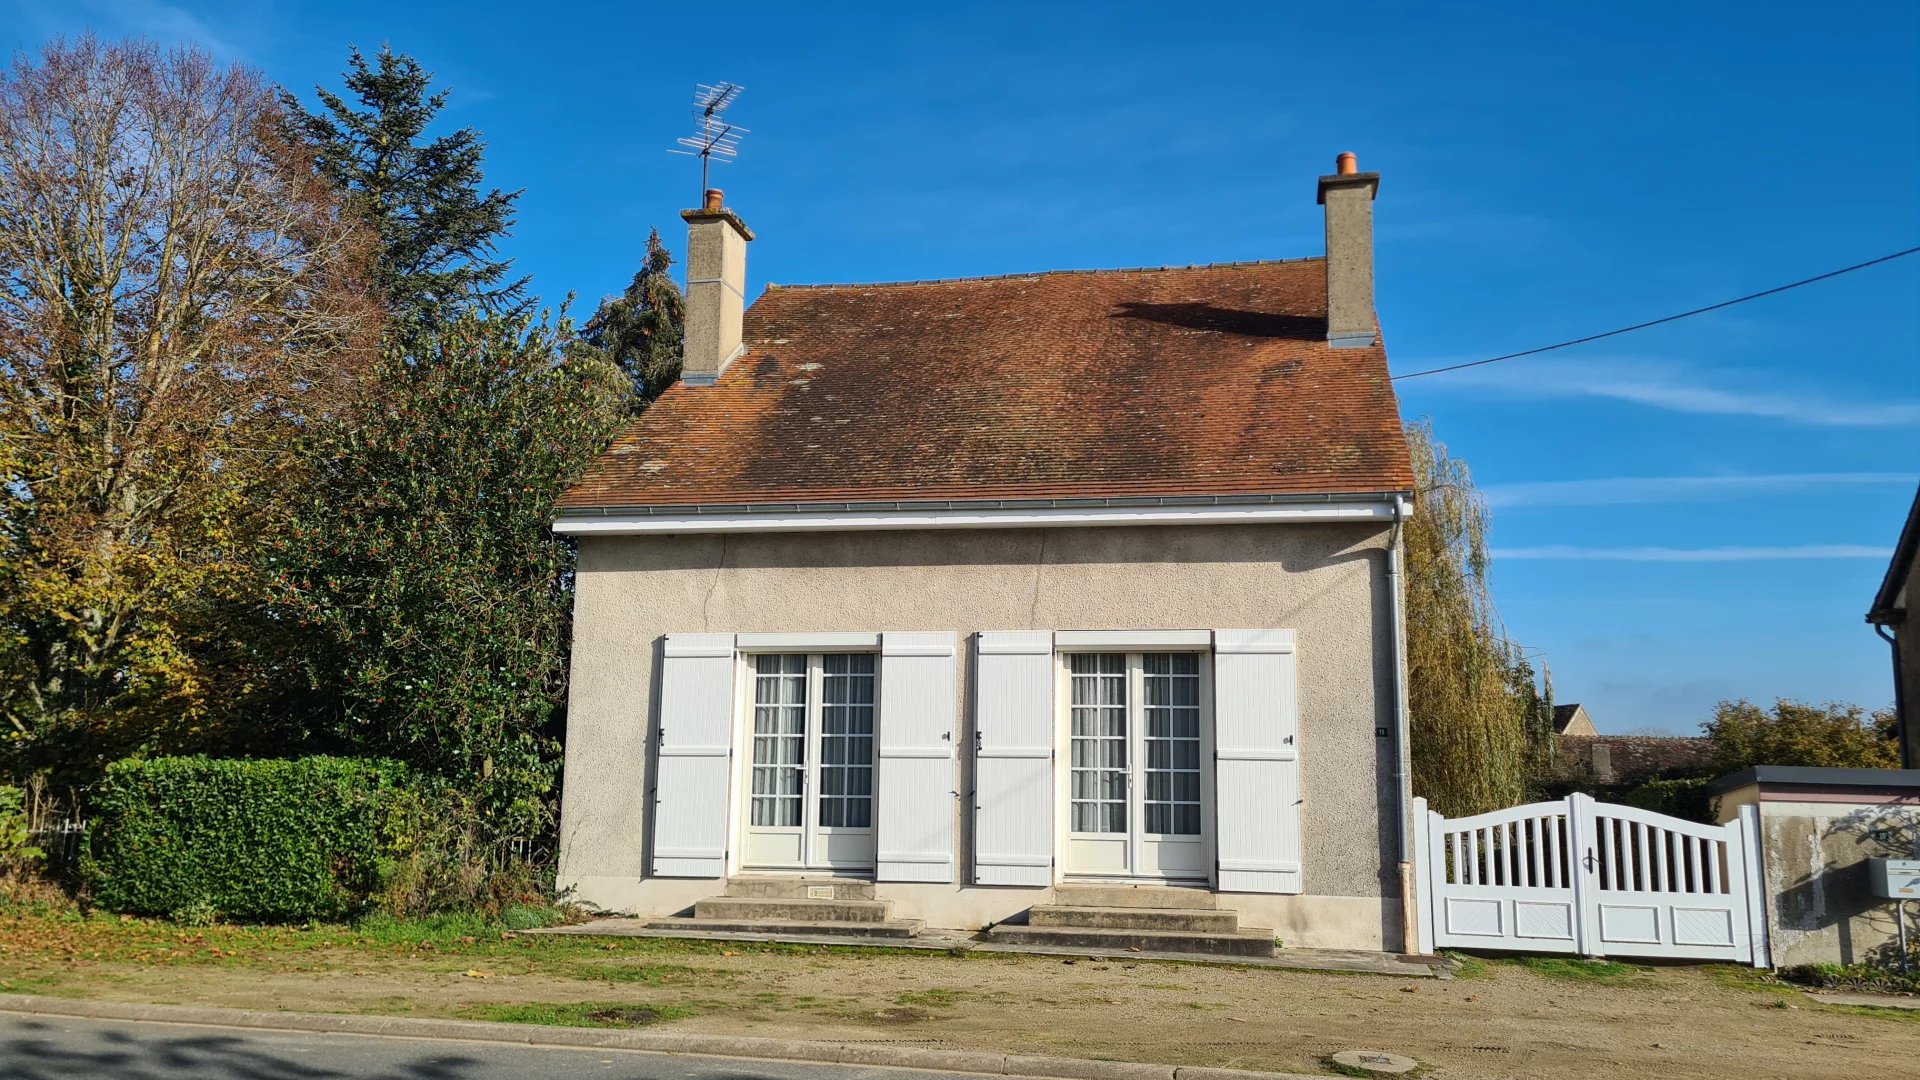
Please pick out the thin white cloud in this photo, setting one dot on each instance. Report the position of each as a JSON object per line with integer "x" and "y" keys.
{"x": 1801, "y": 409}
{"x": 1669, "y": 387}
{"x": 1573, "y": 553}
{"x": 1637, "y": 490}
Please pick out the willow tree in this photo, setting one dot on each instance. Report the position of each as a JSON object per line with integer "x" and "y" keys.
{"x": 1474, "y": 714}
{"x": 179, "y": 296}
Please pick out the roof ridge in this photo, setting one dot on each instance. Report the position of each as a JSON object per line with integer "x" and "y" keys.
{"x": 1048, "y": 273}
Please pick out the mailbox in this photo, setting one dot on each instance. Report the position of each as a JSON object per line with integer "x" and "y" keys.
{"x": 1895, "y": 879}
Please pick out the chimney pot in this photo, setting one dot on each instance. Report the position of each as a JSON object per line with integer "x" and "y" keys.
{"x": 716, "y": 198}
{"x": 1345, "y": 165}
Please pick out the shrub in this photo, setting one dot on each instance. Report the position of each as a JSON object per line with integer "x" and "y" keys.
{"x": 1683, "y": 797}
{"x": 439, "y": 859}
{"x": 270, "y": 840}
{"x": 1852, "y": 977}
{"x": 17, "y": 851}
{"x": 1835, "y": 736}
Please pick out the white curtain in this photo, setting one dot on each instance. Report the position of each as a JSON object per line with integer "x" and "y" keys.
{"x": 1099, "y": 701}
{"x": 779, "y": 737}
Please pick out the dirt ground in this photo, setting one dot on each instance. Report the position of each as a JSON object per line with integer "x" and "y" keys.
{"x": 1497, "y": 1019}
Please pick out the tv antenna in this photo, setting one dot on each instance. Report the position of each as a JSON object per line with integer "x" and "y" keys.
{"x": 712, "y": 136}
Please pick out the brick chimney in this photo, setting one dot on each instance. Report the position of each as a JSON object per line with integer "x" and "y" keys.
{"x": 1348, "y": 197}
{"x": 716, "y": 289}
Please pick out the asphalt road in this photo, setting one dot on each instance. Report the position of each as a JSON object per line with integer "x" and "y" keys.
{"x": 70, "y": 1048}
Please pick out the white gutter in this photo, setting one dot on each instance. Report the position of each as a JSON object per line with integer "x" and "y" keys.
{"x": 1379, "y": 508}
{"x": 1403, "y": 751}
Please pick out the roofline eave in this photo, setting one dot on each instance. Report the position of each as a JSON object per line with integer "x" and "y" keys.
{"x": 1898, "y": 568}
{"x": 984, "y": 513}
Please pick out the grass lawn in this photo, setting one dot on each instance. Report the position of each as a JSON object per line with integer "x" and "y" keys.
{"x": 1500, "y": 1018}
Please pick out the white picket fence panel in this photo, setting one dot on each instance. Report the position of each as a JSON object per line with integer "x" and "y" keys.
{"x": 1590, "y": 879}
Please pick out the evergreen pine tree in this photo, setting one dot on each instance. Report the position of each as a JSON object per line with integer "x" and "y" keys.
{"x": 640, "y": 330}
{"x": 438, "y": 228}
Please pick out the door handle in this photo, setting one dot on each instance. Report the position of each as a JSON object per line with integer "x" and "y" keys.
{"x": 1590, "y": 861}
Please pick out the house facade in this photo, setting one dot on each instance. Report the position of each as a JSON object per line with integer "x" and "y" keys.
{"x": 969, "y": 594}
{"x": 1573, "y": 720}
{"x": 1890, "y": 618}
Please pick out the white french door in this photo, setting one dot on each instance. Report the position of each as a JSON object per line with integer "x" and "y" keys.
{"x": 810, "y": 799}
{"x": 1139, "y": 791}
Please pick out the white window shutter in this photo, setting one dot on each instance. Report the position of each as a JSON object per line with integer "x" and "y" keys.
{"x": 1256, "y": 719}
{"x": 1013, "y": 759}
{"x": 696, "y": 743}
{"x": 913, "y": 817}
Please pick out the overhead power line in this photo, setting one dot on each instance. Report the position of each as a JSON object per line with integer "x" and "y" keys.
{"x": 1667, "y": 319}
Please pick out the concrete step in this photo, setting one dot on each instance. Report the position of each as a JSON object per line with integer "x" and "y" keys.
{"x": 892, "y": 928}
{"x": 1244, "y": 942}
{"x": 1135, "y": 896}
{"x": 758, "y": 908}
{"x": 799, "y": 887}
{"x": 1197, "y": 920}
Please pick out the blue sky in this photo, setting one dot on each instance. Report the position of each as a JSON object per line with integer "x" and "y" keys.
{"x": 1695, "y": 512}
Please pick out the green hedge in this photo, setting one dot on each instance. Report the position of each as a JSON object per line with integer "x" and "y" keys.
{"x": 268, "y": 841}
{"x": 1682, "y": 797}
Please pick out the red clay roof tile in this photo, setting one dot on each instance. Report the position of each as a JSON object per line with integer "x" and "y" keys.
{"x": 1210, "y": 380}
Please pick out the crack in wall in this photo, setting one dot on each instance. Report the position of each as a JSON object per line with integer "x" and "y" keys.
{"x": 706, "y": 603}
{"x": 1039, "y": 564}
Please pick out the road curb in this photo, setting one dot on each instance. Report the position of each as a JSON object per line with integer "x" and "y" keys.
{"x": 659, "y": 1042}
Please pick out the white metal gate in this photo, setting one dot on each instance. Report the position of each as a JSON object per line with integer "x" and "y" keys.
{"x": 1593, "y": 879}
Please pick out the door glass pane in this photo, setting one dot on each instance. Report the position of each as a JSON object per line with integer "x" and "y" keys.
{"x": 1172, "y": 803}
{"x": 846, "y": 740}
{"x": 1099, "y": 743}
{"x": 779, "y": 737}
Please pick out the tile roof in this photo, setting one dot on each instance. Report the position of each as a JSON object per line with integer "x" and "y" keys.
{"x": 1887, "y": 603}
{"x": 1563, "y": 715}
{"x": 1206, "y": 380}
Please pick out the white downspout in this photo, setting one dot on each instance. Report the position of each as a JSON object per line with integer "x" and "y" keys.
{"x": 1403, "y": 754}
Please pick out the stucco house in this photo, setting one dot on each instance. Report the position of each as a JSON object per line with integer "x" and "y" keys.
{"x": 1573, "y": 720}
{"x": 1890, "y": 618}
{"x": 1062, "y": 603}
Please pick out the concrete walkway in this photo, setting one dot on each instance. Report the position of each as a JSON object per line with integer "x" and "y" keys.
{"x": 958, "y": 942}
{"x": 863, "y": 1055}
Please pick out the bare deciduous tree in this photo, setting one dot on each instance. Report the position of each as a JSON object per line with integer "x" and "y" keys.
{"x": 179, "y": 299}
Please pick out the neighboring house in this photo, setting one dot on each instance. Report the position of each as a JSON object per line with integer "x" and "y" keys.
{"x": 1610, "y": 764}
{"x": 1573, "y": 720}
{"x": 950, "y": 596}
{"x": 1622, "y": 761}
{"x": 1890, "y": 619}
